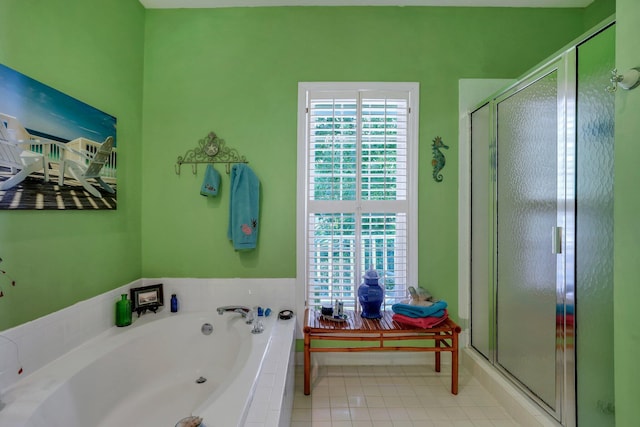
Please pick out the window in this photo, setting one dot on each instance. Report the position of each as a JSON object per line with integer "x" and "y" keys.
{"x": 357, "y": 188}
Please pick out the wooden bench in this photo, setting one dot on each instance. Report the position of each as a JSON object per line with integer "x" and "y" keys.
{"x": 381, "y": 331}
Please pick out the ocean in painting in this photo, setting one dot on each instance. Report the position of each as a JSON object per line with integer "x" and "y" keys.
{"x": 49, "y": 113}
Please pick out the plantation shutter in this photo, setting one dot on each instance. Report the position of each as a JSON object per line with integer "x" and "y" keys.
{"x": 357, "y": 202}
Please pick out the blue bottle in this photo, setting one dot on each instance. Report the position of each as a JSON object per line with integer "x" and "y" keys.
{"x": 174, "y": 303}
{"x": 371, "y": 295}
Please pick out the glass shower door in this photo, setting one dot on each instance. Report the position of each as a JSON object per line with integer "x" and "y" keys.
{"x": 527, "y": 236}
{"x": 482, "y": 318}
{"x": 541, "y": 233}
{"x": 594, "y": 238}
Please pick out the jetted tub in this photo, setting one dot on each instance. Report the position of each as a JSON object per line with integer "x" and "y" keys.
{"x": 153, "y": 373}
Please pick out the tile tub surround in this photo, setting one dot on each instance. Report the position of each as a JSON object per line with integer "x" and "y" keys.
{"x": 92, "y": 386}
{"x": 272, "y": 401}
{"x": 45, "y": 339}
{"x": 49, "y": 337}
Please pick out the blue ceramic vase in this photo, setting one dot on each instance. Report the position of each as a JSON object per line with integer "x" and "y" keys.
{"x": 371, "y": 295}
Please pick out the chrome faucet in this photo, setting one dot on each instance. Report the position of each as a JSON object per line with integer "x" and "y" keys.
{"x": 246, "y": 312}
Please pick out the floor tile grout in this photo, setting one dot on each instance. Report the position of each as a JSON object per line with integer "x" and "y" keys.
{"x": 395, "y": 396}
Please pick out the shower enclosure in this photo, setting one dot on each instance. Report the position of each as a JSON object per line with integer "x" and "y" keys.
{"x": 541, "y": 228}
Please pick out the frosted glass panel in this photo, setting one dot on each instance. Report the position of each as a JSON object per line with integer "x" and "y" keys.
{"x": 594, "y": 242}
{"x": 481, "y": 247}
{"x": 527, "y": 211}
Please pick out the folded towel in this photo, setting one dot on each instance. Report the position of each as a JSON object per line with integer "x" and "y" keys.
{"x": 421, "y": 322}
{"x": 244, "y": 199}
{"x": 418, "y": 310}
{"x": 211, "y": 183}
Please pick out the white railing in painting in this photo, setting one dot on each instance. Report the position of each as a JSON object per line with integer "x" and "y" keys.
{"x": 51, "y": 149}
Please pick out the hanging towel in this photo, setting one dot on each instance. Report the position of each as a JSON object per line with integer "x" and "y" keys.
{"x": 418, "y": 310}
{"x": 421, "y": 322}
{"x": 211, "y": 183}
{"x": 244, "y": 198}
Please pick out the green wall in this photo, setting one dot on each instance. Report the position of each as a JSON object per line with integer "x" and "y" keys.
{"x": 235, "y": 71}
{"x": 626, "y": 233}
{"x": 91, "y": 50}
{"x": 597, "y": 11}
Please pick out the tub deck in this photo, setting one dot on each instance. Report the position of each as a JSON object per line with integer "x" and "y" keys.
{"x": 388, "y": 334}
{"x": 91, "y": 386}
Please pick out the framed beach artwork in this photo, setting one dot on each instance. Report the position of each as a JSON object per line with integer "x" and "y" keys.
{"x": 56, "y": 152}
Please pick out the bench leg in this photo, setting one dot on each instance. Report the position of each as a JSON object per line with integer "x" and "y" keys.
{"x": 307, "y": 364}
{"x": 437, "y": 344}
{"x": 454, "y": 364}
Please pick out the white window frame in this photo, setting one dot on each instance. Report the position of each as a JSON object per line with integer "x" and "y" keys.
{"x": 304, "y": 88}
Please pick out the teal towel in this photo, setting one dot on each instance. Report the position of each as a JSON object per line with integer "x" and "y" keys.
{"x": 211, "y": 183}
{"x": 244, "y": 199}
{"x": 419, "y": 310}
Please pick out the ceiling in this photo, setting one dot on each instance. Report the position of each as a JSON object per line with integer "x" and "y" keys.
{"x": 176, "y": 4}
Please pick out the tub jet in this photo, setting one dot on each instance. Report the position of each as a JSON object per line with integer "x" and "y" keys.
{"x": 206, "y": 329}
{"x": 201, "y": 380}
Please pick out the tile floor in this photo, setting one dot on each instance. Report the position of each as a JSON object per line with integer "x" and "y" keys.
{"x": 394, "y": 396}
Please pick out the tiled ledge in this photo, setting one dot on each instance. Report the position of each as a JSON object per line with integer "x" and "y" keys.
{"x": 34, "y": 344}
{"x": 272, "y": 401}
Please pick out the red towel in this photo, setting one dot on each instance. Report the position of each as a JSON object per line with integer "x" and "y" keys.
{"x": 421, "y": 322}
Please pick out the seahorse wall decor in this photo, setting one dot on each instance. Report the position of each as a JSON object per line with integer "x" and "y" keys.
{"x": 439, "y": 160}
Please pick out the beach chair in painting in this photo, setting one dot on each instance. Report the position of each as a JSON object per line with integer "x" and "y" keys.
{"x": 21, "y": 162}
{"x": 84, "y": 165}
{"x": 17, "y": 134}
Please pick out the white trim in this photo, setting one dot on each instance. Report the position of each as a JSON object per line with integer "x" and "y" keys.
{"x": 174, "y": 4}
{"x": 413, "y": 155}
{"x": 304, "y": 88}
{"x": 301, "y": 208}
{"x": 358, "y": 86}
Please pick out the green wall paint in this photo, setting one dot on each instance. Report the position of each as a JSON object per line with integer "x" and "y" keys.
{"x": 598, "y": 11}
{"x": 236, "y": 71}
{"x": 91, "y": 50}
{"x": 626, "y": 225}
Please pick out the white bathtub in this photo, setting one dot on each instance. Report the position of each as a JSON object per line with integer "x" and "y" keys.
{"x": 145, "y": 375}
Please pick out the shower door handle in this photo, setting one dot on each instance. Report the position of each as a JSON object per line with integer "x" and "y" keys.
{"x": 556, "y": 240}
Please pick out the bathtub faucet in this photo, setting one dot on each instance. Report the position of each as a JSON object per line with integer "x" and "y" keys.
{"x": 246, "y": 312}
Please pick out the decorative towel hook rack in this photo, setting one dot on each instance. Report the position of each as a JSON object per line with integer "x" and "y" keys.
{"x": 210, "y": 149}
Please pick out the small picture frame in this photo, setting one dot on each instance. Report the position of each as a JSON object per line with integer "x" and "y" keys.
{"x": 147, "y": 298}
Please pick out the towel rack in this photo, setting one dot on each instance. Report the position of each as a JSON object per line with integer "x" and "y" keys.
{"x": 210, "y": 149}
